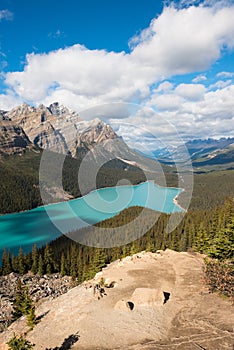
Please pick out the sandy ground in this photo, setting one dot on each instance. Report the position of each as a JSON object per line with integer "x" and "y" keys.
{"x": 172, "y": 309}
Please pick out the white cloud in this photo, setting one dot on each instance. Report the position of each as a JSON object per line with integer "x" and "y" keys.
{"x": 6, "y": 14}
{"x": 220, "y": 84}
{"x": 225, "y": 75}
{"x": 179, "y": 41}
{"x": 211, "y": 115}
{"x": 190, "y": 91}
{"x": 168, "y": 102}
{"x": 164, "y": 87}
{"x": 9, "y": 101}
{"x": 92, "y": 75}
{"x": 199, "y": 78}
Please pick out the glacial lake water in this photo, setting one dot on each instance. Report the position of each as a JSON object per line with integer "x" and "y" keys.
{"x": 35, "y": 226}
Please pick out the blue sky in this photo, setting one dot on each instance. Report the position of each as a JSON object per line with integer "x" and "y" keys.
{"x": 42, "y": 25}
{"x": 176, "y": 58}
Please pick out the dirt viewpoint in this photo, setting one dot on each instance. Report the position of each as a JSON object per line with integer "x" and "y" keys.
{"x": 156, "y": 301}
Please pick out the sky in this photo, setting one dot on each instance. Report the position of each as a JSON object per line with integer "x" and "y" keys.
{"x": 173, "y": 59}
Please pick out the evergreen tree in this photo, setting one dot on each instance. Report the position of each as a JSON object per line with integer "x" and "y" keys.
{"x": 19, "y": 343}
{"x": 62, "y": 266}
{"x": 31, "y": 318}
{"x": 18, "y": 302}
{"x": 21, "y": 264}
{"x": 6, "y": 262}
{"x": 134, "y": 248}
{"x": 99, "y": 260}
{"x": 222, "y": 246}
{"x": 34, "y": 267}
{"x": 48, "y": 259}
{"x": 22, "y": 303}
{"x": 201, "y": 241}
{"x": 73, "y": 265}
{"x": 40, "y": 266}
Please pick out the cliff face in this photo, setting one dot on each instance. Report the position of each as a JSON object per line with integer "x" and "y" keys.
{"x": 58, "y": 128}
{"x": 12, "y": 137}
{"x": 147, "y": 301}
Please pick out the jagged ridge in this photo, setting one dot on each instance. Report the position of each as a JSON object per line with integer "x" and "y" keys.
{"x": 55, "y": 127}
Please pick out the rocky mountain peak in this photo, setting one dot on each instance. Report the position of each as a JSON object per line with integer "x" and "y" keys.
{"x": 59, "y": 110}
{"x": 24, "y": 109}
{"x": 58, "y": 128}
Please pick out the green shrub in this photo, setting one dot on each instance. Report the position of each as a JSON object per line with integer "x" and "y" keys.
{"x": 19, "y": 343}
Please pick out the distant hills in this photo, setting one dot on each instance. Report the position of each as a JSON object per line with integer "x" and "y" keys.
{"x": 209, "y": 153}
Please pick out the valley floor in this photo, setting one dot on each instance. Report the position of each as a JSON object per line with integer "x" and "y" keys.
{"x": 159, "y": 301}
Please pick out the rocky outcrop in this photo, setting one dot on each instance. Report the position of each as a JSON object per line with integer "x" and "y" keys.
{"x": 12, "y": 137}
{"x": 58, "y": 128}
{"x": 40, "y": 288}
{"x": 157, "y": 301}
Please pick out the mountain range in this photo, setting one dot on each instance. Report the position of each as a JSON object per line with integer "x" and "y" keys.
{"x": 209, "y": 152}
{"x": 55, "y": 127}
{"x": 61, "y": 130}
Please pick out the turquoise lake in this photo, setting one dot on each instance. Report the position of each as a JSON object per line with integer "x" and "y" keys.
{"x": 35, "y": 226}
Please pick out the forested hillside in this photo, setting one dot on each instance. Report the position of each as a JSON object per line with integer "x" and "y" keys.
{"x": 19, "y": 179}
{"x": 210, "y": 232}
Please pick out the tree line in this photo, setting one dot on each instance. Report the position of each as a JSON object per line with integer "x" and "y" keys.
{"x": 206, "y": 231}
{"x": 19, "y": 181}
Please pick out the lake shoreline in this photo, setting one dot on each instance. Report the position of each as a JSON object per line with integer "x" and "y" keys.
{"x": 43, "y": 224}
{"x": 175, "y": 200}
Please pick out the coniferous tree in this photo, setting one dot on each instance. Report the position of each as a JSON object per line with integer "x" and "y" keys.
{"x": 14, "y": 263}
{"x": 222, "y": 246}
{"x": 41, "y": 266}
{"x": 34, "y": 267}
{"x": 73, "y": 265}
{"x": 31, "y": 318}
{"x": 19, "y": 343}
{"x": 99, "y": 260}
{"x": 62, "y": 266}
{"x": 22, "y": 303}
{"x": 48, "y": 259}
{"x": 18, "y": 303}
{"x": 21, "y": 264}
{"x": 201, "y": 242}
{"x": 6, "y": 262}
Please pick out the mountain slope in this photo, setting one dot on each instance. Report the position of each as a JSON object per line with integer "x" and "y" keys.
{"x": 203, "y": 153}
{"x": 58, "y": 128}
{"x": 216, "y": 157}
{"x": 12, "y": 137}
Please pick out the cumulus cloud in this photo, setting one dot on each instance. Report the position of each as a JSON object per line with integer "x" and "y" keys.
{"x": 191, "y": 91}
{"x": 6, "y": 14}
{"x": 225, "y": 75}
{"x": 199, "y": 78}
{"x": 220, "y": 84}
{"x": 205, "y": 117}
{"x": 164, "y": 87}
{"x": 94, "y": 75}
{"x": 9, "y": 101}
{"x": 179, "y": 41}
